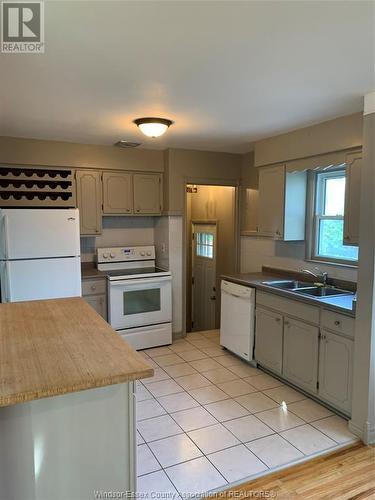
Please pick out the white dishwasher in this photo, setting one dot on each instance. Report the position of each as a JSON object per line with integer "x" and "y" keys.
{"x": 237, "y": 319}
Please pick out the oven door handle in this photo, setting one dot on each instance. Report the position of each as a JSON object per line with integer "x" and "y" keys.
{"x": 140, "y": 281}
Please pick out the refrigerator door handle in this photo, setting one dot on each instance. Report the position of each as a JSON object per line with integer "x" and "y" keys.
{"x": 7, "y": 283}
{"x": 5, "y": 237}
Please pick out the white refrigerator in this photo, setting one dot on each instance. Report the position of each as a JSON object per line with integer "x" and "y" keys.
{"x": 39, "y": 254}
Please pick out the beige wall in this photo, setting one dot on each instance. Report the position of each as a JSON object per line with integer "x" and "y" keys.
{"x": 259, "y": 251}
{"x": 333, "y": 135}
{"x": 55, "y": 153}
{"x": 202, "y": 167}
{"x": 363, "y": 404}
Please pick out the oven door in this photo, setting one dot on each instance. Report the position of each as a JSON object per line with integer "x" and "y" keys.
{"x": 139, "y": 302}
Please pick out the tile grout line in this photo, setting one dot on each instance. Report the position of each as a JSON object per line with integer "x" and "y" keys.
{"x": 232, "y": 398}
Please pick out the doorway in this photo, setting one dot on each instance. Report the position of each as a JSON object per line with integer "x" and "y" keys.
{"x": 203, "y": 276}
{"x": 211, "y": 251}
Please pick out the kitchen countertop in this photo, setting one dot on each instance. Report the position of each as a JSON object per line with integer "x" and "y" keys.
{"x": 341, "y": 304}
{"x": 59, "y": 346}
{"x": 89, "y": 270}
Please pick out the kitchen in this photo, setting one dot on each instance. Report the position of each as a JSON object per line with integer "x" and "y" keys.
{"x": 280, "y": 374}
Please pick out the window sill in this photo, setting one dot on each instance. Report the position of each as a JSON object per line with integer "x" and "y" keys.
{"x": 330, "y": 263}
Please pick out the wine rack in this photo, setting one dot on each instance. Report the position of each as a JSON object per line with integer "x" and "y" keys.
{"x": 22, "y": 186}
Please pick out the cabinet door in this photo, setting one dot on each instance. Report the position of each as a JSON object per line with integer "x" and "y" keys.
{"x": 117, "y": 193}
{"x": 335, "y": 370}
{"x": 352, "y": 198}
{"x": 147, "y": 193}
{"x": 249, "y": 210}
{"x": 269, "y": 339}
{"x": 271, "y": 201}
{"x": 301, "y": 345}
{"x": 99, "y": 303}
{"x": 89, "y": 201}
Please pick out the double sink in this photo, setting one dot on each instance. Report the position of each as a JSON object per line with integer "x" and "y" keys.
{"x": 307, "y": 289}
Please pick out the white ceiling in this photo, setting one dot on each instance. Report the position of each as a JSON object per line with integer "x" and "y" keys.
{"x": 227, "y": 72}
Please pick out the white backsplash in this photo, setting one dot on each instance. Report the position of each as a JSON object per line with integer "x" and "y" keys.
{"x": 257, "y": 252}
{"x": 117, "y": 232}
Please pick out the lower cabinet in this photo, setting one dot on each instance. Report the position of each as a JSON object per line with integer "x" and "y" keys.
{"x": 335, "y": 370}
{"x": 94, "y": 292}
{"x": 269, "y": 339}
{"x": 99, "y": 303}
{"x": 300, "y": 359}
{"x": 307, "y": 354}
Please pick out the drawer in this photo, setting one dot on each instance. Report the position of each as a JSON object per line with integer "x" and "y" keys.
{"x": 338, "y": 323}
{"x": 94, "y": 287}
{"x": 292, "y": 308}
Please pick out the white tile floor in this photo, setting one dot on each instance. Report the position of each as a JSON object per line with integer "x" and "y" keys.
{"x": 207, "y": 419}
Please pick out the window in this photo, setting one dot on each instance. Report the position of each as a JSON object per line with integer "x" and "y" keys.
{"x": 205, "y": 245}
{"x": 328, "y": 223}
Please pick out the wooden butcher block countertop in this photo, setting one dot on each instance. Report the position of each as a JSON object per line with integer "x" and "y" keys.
{"x": 54, "y": 347}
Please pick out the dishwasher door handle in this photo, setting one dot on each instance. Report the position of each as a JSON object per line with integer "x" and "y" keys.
{"x": 234, "y": 295}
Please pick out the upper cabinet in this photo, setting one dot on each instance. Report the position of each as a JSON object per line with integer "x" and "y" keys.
{"x": 147, "y": 190}
{"x": 352, "y": 198}
{"x": 89, "y": 201}
{"x": 117, "y": 193}
{"x": 282, "y": 203}
{"x": 271, "y": 201}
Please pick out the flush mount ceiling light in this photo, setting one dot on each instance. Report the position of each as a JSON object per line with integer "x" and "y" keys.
{"x": 153, "y": 127}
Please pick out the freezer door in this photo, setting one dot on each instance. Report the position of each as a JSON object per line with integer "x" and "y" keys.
{"x": 40, "y": 279}
{"x": 35, "y": 234}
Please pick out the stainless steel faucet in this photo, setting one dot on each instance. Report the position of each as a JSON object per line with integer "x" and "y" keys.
{"x": 322, "y": 275}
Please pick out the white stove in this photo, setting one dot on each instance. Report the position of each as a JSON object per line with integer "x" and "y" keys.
{"x": 139, "y": 295}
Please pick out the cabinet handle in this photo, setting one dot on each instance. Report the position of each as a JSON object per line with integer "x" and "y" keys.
{"x": 93, "y": 287}
{"x": 286, "y": 323}
{"x": 277, "y": 320}
{"x": 337, "y": 322}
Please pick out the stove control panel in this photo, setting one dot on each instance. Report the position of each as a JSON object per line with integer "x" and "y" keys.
{"x": 123, "y": 254}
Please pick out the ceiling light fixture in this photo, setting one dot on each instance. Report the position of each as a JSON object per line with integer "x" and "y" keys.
{"x": 153, "y": 127}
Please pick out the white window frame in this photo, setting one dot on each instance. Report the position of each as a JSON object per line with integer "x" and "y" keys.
{"x": 315, "y": 212}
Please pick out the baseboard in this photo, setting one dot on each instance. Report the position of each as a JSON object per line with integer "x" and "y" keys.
{"x": 178, "y": 335}
{"x": 365, "y": 433}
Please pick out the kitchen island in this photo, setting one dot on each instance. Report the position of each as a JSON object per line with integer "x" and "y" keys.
{"x": 67, "y": 402}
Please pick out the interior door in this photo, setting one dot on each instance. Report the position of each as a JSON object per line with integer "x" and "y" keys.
{"x": 204, "y": 276}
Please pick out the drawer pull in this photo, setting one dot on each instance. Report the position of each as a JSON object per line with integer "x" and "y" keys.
{"x": 93, "y": 287}
{"x": 337, "y": 322}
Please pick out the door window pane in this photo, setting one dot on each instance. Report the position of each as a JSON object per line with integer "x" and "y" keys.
{"x": 141, "y": 301}
{"x": 205, "y": 245}
{"x": 330, "y": 241}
